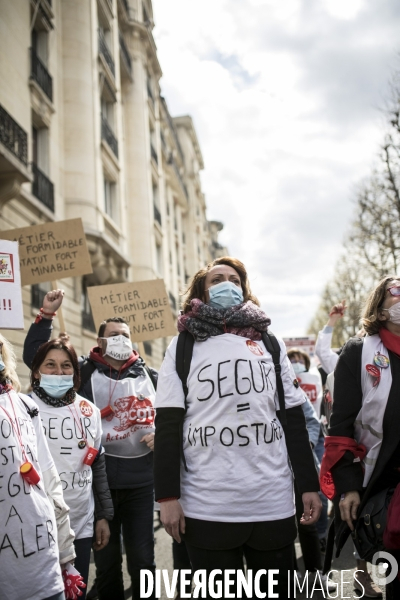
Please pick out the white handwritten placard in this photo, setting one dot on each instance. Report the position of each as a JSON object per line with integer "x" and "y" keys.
{"x": 143, "y": 304}
{"x": 11, "y": 309}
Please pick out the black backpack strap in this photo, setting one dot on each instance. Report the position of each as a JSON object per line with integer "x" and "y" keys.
{"x": 273, "y": 347}
{"x": 151, "y": 375}
{"x": 87, "y": 369}
{"x": 184, "y": 353}
{"x": 32, "y": 412}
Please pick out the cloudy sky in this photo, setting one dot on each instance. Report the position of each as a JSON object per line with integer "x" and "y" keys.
{"x": 285, "y": 97}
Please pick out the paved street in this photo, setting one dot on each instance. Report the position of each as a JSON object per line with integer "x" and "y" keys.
{"x": 164, "y": 561}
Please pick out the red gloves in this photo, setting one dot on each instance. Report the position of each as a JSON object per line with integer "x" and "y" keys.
{"x": 72, "y": 582}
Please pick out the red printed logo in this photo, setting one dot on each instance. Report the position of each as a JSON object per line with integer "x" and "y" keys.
{"x": 254, "y": 348}
{"x": 132, "y": 410}
{"x": 86, "y": 408}
{"x": 310, "y": 389}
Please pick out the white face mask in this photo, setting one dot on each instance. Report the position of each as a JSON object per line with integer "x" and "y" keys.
{"x": 56, "y": 386}
{"x": 119, "y": 347}
{"x": 394, "y": 313}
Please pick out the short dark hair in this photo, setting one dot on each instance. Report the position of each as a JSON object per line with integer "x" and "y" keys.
{"x": 296, "y": 351}
{"x": 102, "y": 327}
{"x": 60, "y": 343}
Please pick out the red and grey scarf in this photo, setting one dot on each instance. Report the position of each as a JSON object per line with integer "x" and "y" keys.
{"x": 204, "y": 321}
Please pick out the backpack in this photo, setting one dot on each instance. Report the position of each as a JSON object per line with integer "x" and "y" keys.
{"x": 184, "y": 353}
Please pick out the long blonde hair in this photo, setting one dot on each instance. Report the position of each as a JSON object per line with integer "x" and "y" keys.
{"x": 10, "y": 361}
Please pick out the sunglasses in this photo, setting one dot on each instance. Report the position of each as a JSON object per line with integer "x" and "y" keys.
{"x": 394, "y": 290}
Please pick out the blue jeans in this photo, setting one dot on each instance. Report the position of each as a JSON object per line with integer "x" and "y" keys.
{"x": 133, "y": 513}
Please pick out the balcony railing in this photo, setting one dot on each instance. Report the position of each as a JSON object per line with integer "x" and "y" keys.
{"x": 105, "y": 52}
{"x": 157, "y": 214}
{"x": 14, "y": 138}
{"x": 125, "y": 53}
{"x": 108, "y": 135}
{"x": 153, "y": 153}
{"x": 40, "y": 74}
{"x": 42, "y": 187}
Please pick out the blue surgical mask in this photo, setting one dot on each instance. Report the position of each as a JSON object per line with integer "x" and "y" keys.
{"x": 2, "y": 365}
{"x": 298, "y": 368}
{"x": 56, "y": 386}
{"x": 225, "y": 295}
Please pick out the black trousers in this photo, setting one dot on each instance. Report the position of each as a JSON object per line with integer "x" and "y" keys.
{"x": 83, "y": 547}
{"x": 280, "y": 559}
{"x": 309, "y": 539}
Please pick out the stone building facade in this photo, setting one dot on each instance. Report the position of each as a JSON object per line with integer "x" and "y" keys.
{"x": 85, "y": 131}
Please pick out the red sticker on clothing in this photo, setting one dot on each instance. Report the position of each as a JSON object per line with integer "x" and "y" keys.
{"x": 86, "y": 408}
{"x": 254, "y": 348}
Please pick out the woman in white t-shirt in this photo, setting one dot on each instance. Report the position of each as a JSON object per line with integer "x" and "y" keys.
{"x": 72, "y": 426}
{"x": 231, "y": 494}
{"x": 35, "y": 534}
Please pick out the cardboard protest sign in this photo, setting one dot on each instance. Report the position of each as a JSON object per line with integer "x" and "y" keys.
{"x": 51, "y": 251}
{"x": 144, "y": 305}
{"x": 305, "y": 343}
{"x": 11, "y": 309}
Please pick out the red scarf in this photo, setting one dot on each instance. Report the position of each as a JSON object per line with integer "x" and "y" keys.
{"x": 390, "y": 340}
{"x": 335, "y": 447}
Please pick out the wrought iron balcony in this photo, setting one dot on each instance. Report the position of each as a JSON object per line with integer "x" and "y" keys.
{"x": 42, "y": 187}
{"x": 14, "y": 138}
{"x": 153, "y": 153}
{"x": 125, "y": 53}
{"x": 40, "y": 74}
{"x": 157, "y": 215}
{"x": 105, "y": 52}
{"x": 108, "y": 135}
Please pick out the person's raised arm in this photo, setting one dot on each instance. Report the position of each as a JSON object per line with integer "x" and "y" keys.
{"x": 40, "y": 331}
{"x": 323, "y": 350}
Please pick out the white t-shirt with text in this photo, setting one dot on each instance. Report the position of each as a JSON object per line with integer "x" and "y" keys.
{"x": 63, "y": 427}
{"x": 233, "y": 442}
{"x": 29, "y": 567}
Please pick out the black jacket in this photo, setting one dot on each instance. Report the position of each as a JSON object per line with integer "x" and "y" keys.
{"x": 122, "y": 473}
{"x": 347, "y": 474}
{"x": 103, "y": 504}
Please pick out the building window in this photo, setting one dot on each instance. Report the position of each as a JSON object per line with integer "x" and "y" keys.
{"x": 39, "y": 60}
{"x": 108, "y": 100}
{"x": 110, "y": 199}
{"x": 156, "y": 205}
{"x": 159, "y": 259}
{"x": 42, "y": 187}
{"x": 38, "y": 292}
{"x": 87, "y": 317}
{"x": 148, "y": 348}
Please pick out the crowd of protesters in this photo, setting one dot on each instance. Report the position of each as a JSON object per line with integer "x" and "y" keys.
{"x": 232, "y": 445}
